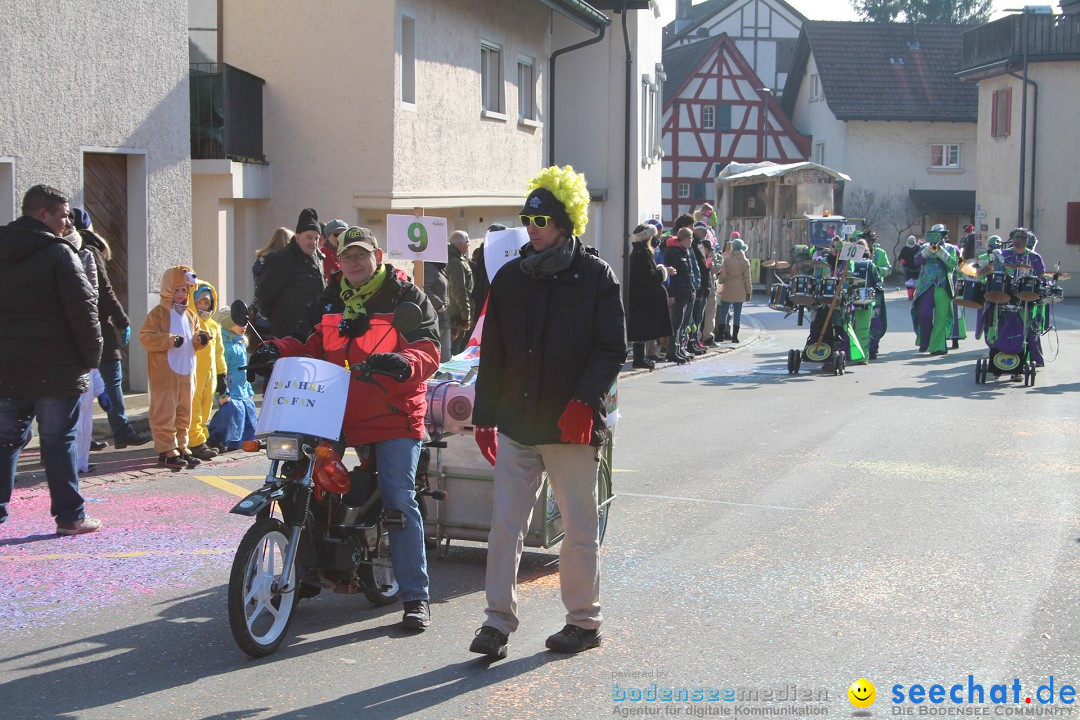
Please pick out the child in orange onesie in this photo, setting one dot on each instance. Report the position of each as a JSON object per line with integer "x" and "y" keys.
{"x": 171, "y": 335}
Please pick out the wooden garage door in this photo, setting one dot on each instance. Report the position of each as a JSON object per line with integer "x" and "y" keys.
{"x": 105, "y": 195}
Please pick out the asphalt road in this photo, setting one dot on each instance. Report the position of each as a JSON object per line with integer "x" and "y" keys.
{"x": 898, "y": 523}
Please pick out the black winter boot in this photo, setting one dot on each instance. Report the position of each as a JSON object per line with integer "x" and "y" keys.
{"x": 735, "y": 333}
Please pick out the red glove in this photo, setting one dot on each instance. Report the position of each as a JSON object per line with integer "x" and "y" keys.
{"x": 487, "y": 439}
{"x": 576, "y": 423}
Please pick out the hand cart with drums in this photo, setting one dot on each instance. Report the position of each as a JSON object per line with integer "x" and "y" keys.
{"x": 452, "y": 467}
{"x": 1017, "y": 304}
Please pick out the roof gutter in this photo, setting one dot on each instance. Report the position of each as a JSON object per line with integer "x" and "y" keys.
{"x": 580, "y": 12}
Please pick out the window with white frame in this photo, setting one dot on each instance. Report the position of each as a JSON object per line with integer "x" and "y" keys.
{"x": 708, "y": 117}
{"x": 684, "y": 190}
{"x": 408, "y": 59}
{"x": 651, "y": 114}
{"x": 945, "y": 156}
{"x": 815, "y": 87}
{"x": 819, "y": 154}
{"x": 491, "y": 77}
{"x": 526, "y": 80}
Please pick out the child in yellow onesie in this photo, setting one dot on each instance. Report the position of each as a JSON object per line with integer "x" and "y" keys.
{"x": 171, "y": 336}
{"x": 209, "y": 369}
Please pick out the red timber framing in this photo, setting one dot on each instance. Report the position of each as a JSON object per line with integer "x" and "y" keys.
{"x": 748, "y": 126}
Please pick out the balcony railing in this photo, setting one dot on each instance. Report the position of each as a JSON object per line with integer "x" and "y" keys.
{"x": 1049, "y": 37}
{"x": 226, "y": 113}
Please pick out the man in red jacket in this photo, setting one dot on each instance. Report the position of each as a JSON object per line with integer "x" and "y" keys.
{"x": 351, "y": 323}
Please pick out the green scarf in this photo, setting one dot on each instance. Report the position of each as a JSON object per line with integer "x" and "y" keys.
{"x": 354, "y": 298}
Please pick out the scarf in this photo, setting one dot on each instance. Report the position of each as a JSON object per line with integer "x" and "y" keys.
{"x": 354, "y": 298}
{"x": 544, "y": 264}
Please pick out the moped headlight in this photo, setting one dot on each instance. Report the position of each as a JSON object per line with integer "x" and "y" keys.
{"x": 283, "y": 447}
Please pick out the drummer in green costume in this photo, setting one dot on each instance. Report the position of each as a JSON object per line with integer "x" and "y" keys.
{"x": 840, "y": 331}
{"x": 985, "y": 265}
{"x": 878, "y": 321}
{"x": 862, "y": 316}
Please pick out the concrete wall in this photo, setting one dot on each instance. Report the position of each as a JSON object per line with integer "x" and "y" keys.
{"x": 814, "y": 118}
{"x": 340, "y": 139}
{"x": 590, "y": 102}
{"x": 894, "y": 157}
{"x": 77, "y": 79}
{"x": 1056, "y": 161}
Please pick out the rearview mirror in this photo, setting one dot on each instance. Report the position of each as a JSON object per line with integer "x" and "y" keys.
{"x": 239, "y": 312}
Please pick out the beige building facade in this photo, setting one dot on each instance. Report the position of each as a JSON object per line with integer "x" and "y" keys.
{"x": 1029, "y": 167}
{"x": 96, "y": 104}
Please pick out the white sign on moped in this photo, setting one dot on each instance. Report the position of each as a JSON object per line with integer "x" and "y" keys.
{"x": 304, "y": 395}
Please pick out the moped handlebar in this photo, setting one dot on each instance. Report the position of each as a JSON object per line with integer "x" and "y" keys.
{"x": 256, "y": 366}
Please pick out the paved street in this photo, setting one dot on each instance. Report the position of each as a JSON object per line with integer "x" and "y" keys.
{"x": 899, "y": 523}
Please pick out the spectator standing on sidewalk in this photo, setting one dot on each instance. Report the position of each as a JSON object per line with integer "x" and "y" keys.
{"x": 459, "y": 281}
{"x": 647, "y": 310}
{"x": 293, "y": 277}
{"x": 115, "y": 333}
{"x": 44, "y": 292}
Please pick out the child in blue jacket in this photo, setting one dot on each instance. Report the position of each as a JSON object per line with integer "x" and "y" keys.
{"x": 236, "y": 416}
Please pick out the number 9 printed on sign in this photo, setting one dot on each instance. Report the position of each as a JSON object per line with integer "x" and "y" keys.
{"x": 415, "y": 237}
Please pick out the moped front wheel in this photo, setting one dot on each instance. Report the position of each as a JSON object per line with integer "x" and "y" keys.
{"x": 258, "y": 615}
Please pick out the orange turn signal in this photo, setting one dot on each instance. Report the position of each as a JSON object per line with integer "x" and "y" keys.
{"x": 251, "y": 446}
{"x": 324, "y": 453}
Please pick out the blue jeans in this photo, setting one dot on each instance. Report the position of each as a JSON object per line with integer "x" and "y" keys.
{"x": 397, "y": 461}
{"x": 112, "y": 374}
{"x": 736, "y": 312}
{"x": 57, "y": 419}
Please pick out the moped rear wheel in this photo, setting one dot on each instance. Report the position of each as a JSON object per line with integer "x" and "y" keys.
{"x": 377, "y": 579}
{"x": 259, "y": 617}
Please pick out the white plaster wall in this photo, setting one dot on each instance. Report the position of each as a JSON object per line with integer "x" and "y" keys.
{"x": 1056, "y": 155}
{"x": 814, "y": 118}
{"x": 77, "y": 78}
{"x": 328, "y": 102}
{"x": 894, "y": 157}
{"x": 445, "y": 144}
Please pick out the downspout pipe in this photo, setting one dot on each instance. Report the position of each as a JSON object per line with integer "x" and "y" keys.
{"x": 551, "y": 84}
{"x": 1034, "y": 145}
{"x": 1023, "y": 126}
{"x": 627, "y": 156}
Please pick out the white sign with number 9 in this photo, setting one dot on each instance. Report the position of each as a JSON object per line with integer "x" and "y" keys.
{"x": 416, "y": 237}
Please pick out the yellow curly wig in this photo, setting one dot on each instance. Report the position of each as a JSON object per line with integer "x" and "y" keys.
{"x": 569, "y": 188}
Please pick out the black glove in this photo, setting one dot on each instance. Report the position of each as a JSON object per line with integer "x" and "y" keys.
{"x": 354, "y": 327}
{"x": 265, "y": 354}
{"x": 220, "y": 389}
{"x": 178, "y": 341}
{"x": 393, "y": 364}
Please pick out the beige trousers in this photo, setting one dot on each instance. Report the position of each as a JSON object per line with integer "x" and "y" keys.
{"x": 518, "y": 483}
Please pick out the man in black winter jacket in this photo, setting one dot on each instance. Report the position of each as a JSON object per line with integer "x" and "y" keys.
{"x": 49, "y": 340}
{"x": 293, "y": 277}
{"x": 553, "y": 344}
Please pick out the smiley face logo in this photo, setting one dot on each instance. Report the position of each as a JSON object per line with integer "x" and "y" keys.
{"x": 862, "y": 693}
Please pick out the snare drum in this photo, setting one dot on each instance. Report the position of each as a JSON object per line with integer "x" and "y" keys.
{"x": 999, "y": 288}
{"x": 970, "y": 293}
{"x": 827, "y": 290}
{"x": 864, "y": 296}
{"x": 1027, "y": 288}
{"x": 781, "y": 298}
{"x": 803, "y": 289}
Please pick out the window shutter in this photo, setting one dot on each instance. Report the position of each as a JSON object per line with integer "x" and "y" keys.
{"x": 1072, "y": 223}
{"x": 1008, "y": 111}
{"x": 994, "y": 114}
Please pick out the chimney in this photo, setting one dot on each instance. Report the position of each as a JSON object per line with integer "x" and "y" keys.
{"x": 682, "y": 14}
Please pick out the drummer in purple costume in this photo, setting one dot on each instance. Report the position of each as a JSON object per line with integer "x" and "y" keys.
{"x": 1021, "y": 254}
{"x": 932, "y": 310}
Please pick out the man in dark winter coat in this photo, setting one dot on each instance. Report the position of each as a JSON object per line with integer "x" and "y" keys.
{"x": 682, "y": 291}
{"x": 293, "y": 277}
{"x": 553, "y": 344}
{"x": 115, "y": 331}
{"x": 50, "y": 337}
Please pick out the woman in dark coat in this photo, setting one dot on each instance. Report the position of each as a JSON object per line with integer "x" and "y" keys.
{"x": 648, "y": 317}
